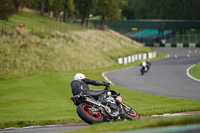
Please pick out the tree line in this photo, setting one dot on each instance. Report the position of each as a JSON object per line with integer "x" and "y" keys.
{"x": 107, "y": 9}
{"x": 162, "y": 9}
{"x": 83, "y": 9}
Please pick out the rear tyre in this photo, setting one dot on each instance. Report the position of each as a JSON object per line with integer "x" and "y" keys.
{"x": 85, "y": 115}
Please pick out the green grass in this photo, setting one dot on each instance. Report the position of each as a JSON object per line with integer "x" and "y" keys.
{"x": 45, "y": 99}
{"x": 90, "y": 49}
{"x": 139, "y": 124}
{"x": 195, "y": 71}
{"x": 79, "y": 50}
{"x": 42, "y": 48}
{"x": 37, "y": 24}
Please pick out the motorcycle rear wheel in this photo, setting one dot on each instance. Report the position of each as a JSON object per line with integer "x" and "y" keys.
{"x": 85, "y": 115}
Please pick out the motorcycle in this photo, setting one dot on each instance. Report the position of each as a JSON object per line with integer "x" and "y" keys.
{"x": 143, "y": 69}
{"x": 92, "y": 111}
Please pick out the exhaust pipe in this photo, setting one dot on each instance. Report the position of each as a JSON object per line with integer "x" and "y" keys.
{"x": 101, "y": 105}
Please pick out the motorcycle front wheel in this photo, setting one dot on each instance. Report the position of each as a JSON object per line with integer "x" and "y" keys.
{"x": 83, "y": 110}
{"x": 142, "y": 73}
{"x": 132, "y": 114}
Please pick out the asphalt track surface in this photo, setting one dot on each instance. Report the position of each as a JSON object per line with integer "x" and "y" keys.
{"x": 56, "y": 128}
{"x": 166, "y": 77}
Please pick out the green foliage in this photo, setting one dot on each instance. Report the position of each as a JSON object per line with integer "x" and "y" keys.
{"x": 6, "y": 9}
{"x": 162, "y": 9}
{"x": 109, "y": 9}
{"x": 68, "y": 6}
{"x": 84, "y": 8}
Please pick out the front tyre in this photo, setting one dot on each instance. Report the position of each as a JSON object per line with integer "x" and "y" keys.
{"x": 142, "y": 73}
{"x": 87, "y": 116}
{"x": 132, "y": 114}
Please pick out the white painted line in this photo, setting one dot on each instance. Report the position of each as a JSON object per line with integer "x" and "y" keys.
{"x": 188, "y": 74}
{"x": 103, "y": 74}
{"x": 31, "y": 127}
{"x": 170, "y": 115}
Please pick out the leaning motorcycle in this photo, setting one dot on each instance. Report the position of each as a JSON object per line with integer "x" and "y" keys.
{"x": 143, "y": 69}
{"x": 92, "y": 111}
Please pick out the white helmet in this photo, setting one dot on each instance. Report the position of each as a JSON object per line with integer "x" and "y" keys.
{"x": 79, "y": 76}
{"x": 144, "y": 63}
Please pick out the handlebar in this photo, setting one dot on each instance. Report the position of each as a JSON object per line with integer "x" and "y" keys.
{"x": 107, "y": 87}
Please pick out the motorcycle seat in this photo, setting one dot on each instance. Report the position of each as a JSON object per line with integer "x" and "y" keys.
{"x": 95, "y": 93}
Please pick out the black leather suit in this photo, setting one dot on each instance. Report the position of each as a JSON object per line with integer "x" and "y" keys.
{"x": 79, "y": 86}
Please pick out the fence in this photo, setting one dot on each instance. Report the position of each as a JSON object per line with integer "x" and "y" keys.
{"x": 133, "y": 58}
{"x": 185, "y": 38}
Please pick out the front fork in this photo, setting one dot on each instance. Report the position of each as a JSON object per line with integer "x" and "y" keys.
{"x": 122, "y": 112}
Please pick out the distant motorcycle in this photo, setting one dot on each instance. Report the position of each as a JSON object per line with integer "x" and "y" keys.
{"x": 144, "y": 67}
{"x": 92, "y": 111}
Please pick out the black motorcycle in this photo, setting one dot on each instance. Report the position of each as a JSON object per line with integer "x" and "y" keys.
{"x": 92, "y": 111}
{"x": 143, "y": 69}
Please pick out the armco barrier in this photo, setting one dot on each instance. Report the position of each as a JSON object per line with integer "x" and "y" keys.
{"x": 133, "y": 58}
{"x": 178, "y": 45}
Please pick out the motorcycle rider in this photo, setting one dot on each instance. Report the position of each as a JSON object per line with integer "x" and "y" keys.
{"x": 80, "y": 86}
{"x": 144, "y": 64}
{"x": 148, "y": 64}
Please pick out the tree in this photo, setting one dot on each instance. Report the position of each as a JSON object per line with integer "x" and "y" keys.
{"x": 57, "y": 6}
{"x": 42, "y": 6}
{"x": 109, "y": 9}
{"x": 18, "y": 4}
{"x": 6, "y": 9}
{"x": 128, "y": 10}
{"x": 162, "y": 9}
{"x": 85, "y": 8}
{"x": 68, "y": 8}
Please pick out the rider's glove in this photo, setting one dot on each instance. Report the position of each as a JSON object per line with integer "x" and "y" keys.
{"x": 107, "y": 84}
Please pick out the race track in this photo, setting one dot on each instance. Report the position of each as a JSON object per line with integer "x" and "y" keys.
{"x": 166, "y": 77}
{"x": 55, "y": 128}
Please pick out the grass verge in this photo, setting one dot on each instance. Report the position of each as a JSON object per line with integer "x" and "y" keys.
{"x": 45, "y": 45}
{"x": 195, "y": 71}
{"x": 45, "y": 99}
{"x": 140, "y": 124}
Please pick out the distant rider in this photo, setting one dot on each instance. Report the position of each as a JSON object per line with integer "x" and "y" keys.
{"x": 143, "y": 65}
{"x": 80, "y": 85}
{"x": 146, "y": 65}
